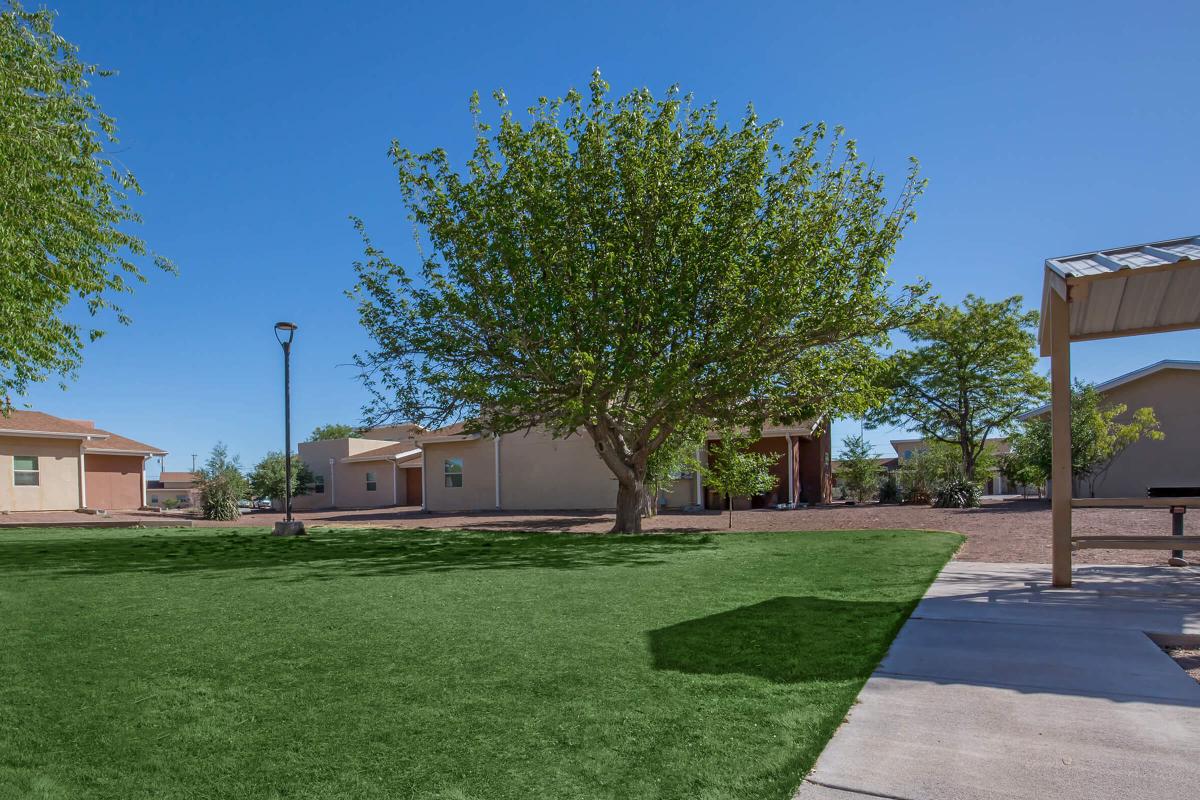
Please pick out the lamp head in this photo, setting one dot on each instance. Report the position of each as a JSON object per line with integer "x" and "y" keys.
{"x": 284, "y": 331}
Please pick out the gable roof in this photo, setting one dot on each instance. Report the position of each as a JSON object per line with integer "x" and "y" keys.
{"x": 1128, "y": 377}
{"x": 177, "y": 477}
{"x": 35, "y": 423}
{"x": 394, "y": 451}
{"x": 117, "y": 444}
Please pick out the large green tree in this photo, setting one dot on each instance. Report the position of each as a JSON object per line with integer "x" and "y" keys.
{"x": 967, "y": 376}
{"x": 859, "y": 470}
{"x": 625, "y": 266}
{"x": 64, "y": 211}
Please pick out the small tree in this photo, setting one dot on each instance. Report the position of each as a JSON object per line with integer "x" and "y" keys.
{"x": 1098, "y": 436}
{"x": 859, "y": 469}
{"x": 735, "y": 471}
{"x": 222, "y": 485}
{"x": 617, "y": 266}
{"x": 968, "y": 377}
{"x": 267, "y": 478}
{"x": 334, "y": 430}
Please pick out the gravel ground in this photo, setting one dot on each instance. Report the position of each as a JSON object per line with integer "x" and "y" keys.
{"x": 1003, "y": 530}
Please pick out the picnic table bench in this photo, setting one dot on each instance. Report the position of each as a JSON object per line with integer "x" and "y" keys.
{"x": 1175, "y": 499}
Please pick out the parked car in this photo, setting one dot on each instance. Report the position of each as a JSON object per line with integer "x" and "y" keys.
{"x": 263, "y": 504}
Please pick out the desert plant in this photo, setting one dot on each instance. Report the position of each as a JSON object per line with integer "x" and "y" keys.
{"x": 859, "y": 469}
{"x": 171, "y": 503}
{"x": 957, "y": 492}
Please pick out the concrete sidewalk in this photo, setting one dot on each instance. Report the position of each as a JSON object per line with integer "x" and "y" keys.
{"x": 998, "y": 687}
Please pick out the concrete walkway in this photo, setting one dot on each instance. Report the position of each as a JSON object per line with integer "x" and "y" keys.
{"x": 998, "y": 687}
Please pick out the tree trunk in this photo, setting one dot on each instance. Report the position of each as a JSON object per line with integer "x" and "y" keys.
{"x": 631, "y": 505}
{"x": 730, "y": 511}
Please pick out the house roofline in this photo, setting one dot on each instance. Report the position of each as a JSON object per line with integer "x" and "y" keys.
{"x": 1128, "y": 377}
{"x": 53, "y": 434}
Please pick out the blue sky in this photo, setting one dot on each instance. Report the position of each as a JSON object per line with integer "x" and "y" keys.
{"x": 257, "y": 128}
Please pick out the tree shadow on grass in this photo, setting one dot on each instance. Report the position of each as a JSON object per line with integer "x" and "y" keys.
{"x": 331, "y": 554}
{"x": 784, "y": 640}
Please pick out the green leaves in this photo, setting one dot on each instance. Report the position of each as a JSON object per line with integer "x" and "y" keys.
{"x": 859, "y": 470}
{"x": 628, "y": 264}
{"x": 64, "y": 209}
{"x": 969, "y": 375}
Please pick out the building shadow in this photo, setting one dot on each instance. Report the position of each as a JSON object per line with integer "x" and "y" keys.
{"x": 332, "y": 553}
{"x": 783, "y": 640}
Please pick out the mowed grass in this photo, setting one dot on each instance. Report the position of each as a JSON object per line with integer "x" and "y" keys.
{"x": 440, "y": 665}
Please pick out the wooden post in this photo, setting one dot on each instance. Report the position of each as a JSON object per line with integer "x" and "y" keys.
{"x": 1060, "y": 422}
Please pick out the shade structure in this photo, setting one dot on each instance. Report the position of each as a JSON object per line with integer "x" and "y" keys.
{"x": 1102, "y": 294}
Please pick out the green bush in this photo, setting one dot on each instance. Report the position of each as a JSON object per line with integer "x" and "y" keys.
{"x": 889, "y": 489}
{"x": 219, "y": 497}
{"x": 957, "y": 492}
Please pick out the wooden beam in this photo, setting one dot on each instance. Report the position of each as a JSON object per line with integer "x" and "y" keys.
{"x": 1135, "y": 502}
{"x": 1136, "y": 542}
{"x": 1060, "y": 424}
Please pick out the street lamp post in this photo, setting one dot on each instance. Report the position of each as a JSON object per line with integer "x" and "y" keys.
{"x": 284, "y": 331}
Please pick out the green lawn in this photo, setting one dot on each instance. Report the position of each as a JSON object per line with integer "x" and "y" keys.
{"x": 449, "y": 665}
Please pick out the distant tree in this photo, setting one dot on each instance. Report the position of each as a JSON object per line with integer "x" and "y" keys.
{"x": 734, "y": 471}
{"x": 334, "y": 430}
{"x": 968, "y": 376}
{"x": 1098, "y": 436}
{"x": 221, "y": 484}
{"x": 267, "y": 478}
{"x": 858, "y": 470}
{"x": 676, "y": 456}
{"x": 64, "y": 216}
{"x": 619, "y": 266}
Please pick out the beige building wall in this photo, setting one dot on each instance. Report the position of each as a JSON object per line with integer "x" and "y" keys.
{"x": 1174, "y": 394}
{"x": 478, "y": 490}
{"x": 58, "y": 479}
{"x": 539, "y": 472}
{"x": 345, "y": 483}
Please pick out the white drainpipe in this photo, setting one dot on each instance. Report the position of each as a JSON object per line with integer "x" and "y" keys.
{"x": 395, "y": 484}
{"x": 698, "y": 480}
{"x": 82, "y": 479}
{"x": 144, "y": 460}
{"x": 424, "y": 483}
{"x": 332, "y": 484}
{"x": 791, "y": 473}
{"x": 496, "y": 457}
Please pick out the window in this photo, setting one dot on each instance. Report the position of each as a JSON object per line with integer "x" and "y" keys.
{"x": 371, "y": 482}
{"x": 153, "y": 499}
{"x": 907, "y": 455}
{"x": 318, "y": 484}
{"x": 25, "y": 471}
{"x": 453, "y": 470}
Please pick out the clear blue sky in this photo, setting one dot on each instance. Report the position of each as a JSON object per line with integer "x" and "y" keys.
{"x": 256, "y": 128}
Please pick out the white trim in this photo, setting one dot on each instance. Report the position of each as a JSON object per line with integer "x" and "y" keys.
{"x": 368, "y": 457}
{"x": 144, "y": 460}
{"x": 458, "y": 437}
{"x": 496, "y": 457}
{"x": 51, "y": 435}
{"x": 142, "y": 453}
{"x": 424, "y": 484}
{"x": 82, "y": 478}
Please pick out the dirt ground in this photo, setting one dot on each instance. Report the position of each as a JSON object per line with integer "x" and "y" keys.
{"x": 1003, "y": 530}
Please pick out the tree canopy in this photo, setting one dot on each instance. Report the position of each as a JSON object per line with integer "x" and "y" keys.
{"x": 859, "y": 470}
{"x": 1100, "y": 432}
{"x": 267, "y": 478}
{"x": 626, "y": 266}
{"x": 968, "y": 376}
{"x": 334, "y": 430}
{"x": 65, "y": 215}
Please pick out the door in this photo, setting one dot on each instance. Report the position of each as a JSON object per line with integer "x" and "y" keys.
{"x": 412, "y": 485}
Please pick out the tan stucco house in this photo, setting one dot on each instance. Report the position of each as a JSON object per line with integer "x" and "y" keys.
{"x": 451, "y": 470}
{"x": 1172, "y": 389}
{"x": 52, "y": 464}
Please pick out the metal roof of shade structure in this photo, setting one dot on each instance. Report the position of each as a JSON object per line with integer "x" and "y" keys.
{"x": 1125, "y": 291}
{"x": 1122, "y": 291}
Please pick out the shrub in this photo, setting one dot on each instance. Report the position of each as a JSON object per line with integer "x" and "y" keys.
{"x": 889, "y": 489}
{"x": 957, "y": 492}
